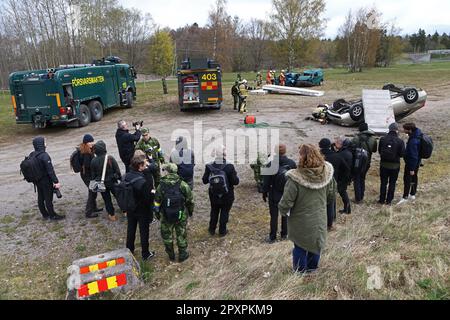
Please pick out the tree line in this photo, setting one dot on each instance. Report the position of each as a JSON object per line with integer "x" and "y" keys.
{"x": 37, "y": 34}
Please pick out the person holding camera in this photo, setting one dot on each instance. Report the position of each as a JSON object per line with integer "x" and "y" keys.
{"x": 126, "y": 141}
{"x": 47, "y": 184}
{"x": 152, "y": 149}
{"x": 112, "y": 175}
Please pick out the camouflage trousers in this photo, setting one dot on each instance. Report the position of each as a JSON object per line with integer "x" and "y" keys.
{"x": 236, "y": 101}
{"x": 169, "y": 230}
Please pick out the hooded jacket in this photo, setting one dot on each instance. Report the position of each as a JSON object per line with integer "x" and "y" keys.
{"x": 345, "y": 173}
{"x": 184, "y": 159}
{"x": 125, "y": 143}
{"x": 412, "y": 155}
{"x": 304, "y": 202}
{"x": 112, "y": 169}
{"x": 44, "y": 160}
{"x": 142, "y": 194}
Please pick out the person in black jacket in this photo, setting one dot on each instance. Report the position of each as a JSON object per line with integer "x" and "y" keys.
{"x": 221, "y": 204}
{"x": 126, "y": 142}
{"x": 391, "y": 149}
{"x": 336, "y": 161}
{"x": 87, "y": 154}
{"x": 344, "y": 176}
{"x": 143, "y": 214}
{"x": 111, "y": 177}
{"x": 184, "y": 158}
{"x": 48, "y": 183}
{"x": 273, "y": 187}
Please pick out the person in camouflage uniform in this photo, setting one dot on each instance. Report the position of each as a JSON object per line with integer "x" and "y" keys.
{"x": 152, "y": 149}
{"x": 180, "y": 227}
{"x": 258, "y": 80}
{"x": 256, "y": 167}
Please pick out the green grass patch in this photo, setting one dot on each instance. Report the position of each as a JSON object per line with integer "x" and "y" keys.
{"x": 7, "y": 219}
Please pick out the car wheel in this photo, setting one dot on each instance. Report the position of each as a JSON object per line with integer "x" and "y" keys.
{"x": 356, "y": 112}
{"x": 84, "y": 118}
{"x": 338, "y": 104}
{"x": 411, "y": 95}
{"x": 389, "y": 86}
{"x": 96, "y": 109}
{"x": 129, "y": 97}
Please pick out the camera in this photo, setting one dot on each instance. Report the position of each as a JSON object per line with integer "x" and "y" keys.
{"x": 58, "y": 193}
{"x": 138, "y": 123}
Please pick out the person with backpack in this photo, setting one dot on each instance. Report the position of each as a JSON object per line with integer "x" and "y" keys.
{"x": 173, "y": 204}
{"x": 344, "y": 177}
{"x": 184, "y": 158}
{"x": 222, "y": 178}
{"x": 38, "y": 169}
{"x": 391, "y": 149}
{"x": 81, "y": 162}
{"x": 137, "y": 194}
{"x": 413, "y": 161}
{"x": 235, "y": 94}
{"x": 366, "y": 140}
{"x": 308, "y": 190}
{"x": 273, "y": 188}
{"x": 126, "y": 142}
{"x": 336, "y": 161}
{"x": 111, "y": 176}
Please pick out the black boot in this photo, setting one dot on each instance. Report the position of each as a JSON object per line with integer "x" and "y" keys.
{"x": 184, "y": 255}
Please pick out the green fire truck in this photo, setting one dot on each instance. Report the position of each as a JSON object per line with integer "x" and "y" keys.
{"x": 72, "y": 95}
{"x": 199, "y": 84}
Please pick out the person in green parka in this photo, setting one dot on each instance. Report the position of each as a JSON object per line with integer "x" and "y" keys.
{"x": 308, "y": 190}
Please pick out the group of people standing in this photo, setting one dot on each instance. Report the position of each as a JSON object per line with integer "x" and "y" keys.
{"x": 303, "y": 193}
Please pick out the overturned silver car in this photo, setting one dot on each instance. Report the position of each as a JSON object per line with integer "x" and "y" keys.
{"x": 405, "y": 101}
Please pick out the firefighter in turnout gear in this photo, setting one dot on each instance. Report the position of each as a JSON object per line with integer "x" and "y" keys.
{"x": 243, "y": 94}
{"x": 235, "y": 94}
{"x": 153, "y": 150}
{"x": 259, "y": 80}
{"x": 173, "y": 204}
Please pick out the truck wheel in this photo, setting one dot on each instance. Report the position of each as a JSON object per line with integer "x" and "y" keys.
{"x": 84, "y": 118}
{"x": 356, "y": 112}
{"x": 96, "y": 109}
{"x": 129, "y": 97}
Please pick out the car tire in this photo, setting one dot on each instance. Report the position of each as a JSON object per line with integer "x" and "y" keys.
{"x": 96, "y": 109}
{"x": 356, "y": 112}
{"x": 84, "y": 118}
{"x": 129, "y": 98}
{"x": 389, "y": 86}
{"x": 338, "y": 103}
{"x": 411, "y": 95}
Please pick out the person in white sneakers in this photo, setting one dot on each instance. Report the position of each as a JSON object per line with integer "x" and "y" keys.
{"x": 412, "y": 162}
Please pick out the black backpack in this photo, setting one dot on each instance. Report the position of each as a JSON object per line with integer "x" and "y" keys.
{"x": 360, "y": 161}
{"x": 31, "y": 169}
{"x": 218, "y": 181}
{"x": 75, "y": 161}
{"x": 172, "y": 202}
{"x": 280, "y": 178}
{"x": 389, "y": 153}
{"x": 426, "y": 146}
{"x": 125, "y": 195}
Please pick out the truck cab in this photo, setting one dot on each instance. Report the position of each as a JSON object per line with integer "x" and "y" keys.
{"x": 72, "y": 95}
{"x": 199, "y": 84}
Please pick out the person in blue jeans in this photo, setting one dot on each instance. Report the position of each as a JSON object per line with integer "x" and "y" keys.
{"x": 308, "y": 190}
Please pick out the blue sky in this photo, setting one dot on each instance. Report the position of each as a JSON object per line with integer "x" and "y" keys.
{"x": 409, "y": 15}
